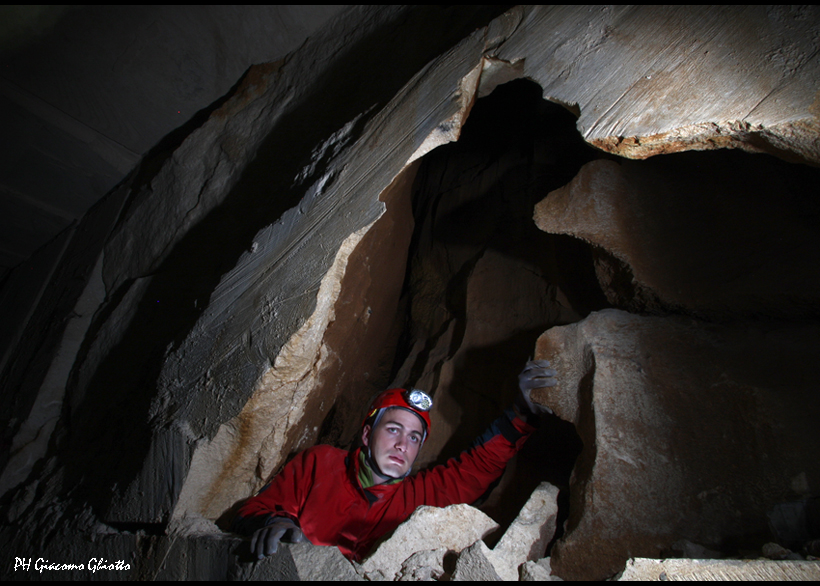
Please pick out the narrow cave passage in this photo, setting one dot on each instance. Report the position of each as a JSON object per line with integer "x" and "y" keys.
{"x": 483, "y": 282}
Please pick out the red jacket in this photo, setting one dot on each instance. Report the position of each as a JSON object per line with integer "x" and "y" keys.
{"x": 320, "y": 491}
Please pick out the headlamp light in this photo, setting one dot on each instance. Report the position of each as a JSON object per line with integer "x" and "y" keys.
{"x": 418, "y": 399}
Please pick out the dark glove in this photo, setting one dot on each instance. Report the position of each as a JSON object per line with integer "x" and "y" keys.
{"x": 265, "y": 541}
{"x": 536, "y": 375}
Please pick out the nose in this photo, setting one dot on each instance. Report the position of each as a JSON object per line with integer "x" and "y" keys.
{"x": 401, "y": 443}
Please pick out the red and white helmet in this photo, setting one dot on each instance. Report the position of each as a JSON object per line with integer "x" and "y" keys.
{"x": 412, "y": 400}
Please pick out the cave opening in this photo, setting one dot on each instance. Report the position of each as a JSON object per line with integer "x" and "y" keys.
{"x": 483, "y": 282}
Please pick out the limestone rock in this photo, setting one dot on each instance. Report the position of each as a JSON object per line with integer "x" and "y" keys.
{"x": 316, "y": 563}
{"x": 428, "y": 528}
{"x": 527, "y": 538}
{"x": 719, "y": 570}
{"x": 688, "y": 431}
{"x": 473, "y": 565}
{"x": 677, "y": 235}
{"x": 423, "y": 566}
{"x": 652, "y": 99}
{"x": 539, "y": 571}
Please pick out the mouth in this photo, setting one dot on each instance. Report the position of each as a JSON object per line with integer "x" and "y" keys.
{"x": 396, "y": 459}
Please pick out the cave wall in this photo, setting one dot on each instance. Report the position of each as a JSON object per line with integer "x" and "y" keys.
{"x": 207, "y": 318}
{"x": 696, "y": 392}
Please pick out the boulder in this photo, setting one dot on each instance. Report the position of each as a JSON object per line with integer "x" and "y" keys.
{"x": 316, "y": 563}
{"x": 528, "y": 536}
{"x": 423, "y": 566}
{"x": 719, "y": 570}
{"x": 453, "y": 528}
{"x": 473, "y": 565}
{"x": 690, "y": 431}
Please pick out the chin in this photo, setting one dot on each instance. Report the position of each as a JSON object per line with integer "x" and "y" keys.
{"x": 395, "y": 470}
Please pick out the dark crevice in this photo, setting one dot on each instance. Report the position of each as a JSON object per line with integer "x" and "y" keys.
{"x": 473, "y": 198}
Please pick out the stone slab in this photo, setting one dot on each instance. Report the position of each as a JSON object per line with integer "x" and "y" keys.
{"x": 638, "y": 569}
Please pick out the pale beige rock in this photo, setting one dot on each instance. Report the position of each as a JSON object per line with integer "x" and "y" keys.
{"x": 453, "y": 528}
{"x": 528, "y": 536}
{"x": 539, "y": 571}
{"x": 719, "y": 570}
{"x": 423, "y": 566}
{"x": 247, "y": 449}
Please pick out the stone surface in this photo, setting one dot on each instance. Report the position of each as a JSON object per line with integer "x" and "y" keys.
{"x": 774, "y": 551}
{"x": 650, "y": 94}
{"x": 719, "y": 570}
{"x": 539, "y": 571}
{"x": 680, "y": 235}
{"x": 473, "y": 565}
{"x": 424, "y": 566}
{"x": 683, "y": 548}
{"x": 761, "y": 58}
{"x": 688, "y": 432}
{"x": 318, "y": 564}
{"x": 428, "y": 528}
{"x": 182, "y": 349}
{"x": 528, "y": 536}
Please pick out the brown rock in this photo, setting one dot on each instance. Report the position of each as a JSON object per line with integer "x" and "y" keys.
{"x": 680, "y": 234}
{"x": 690, "y": 431}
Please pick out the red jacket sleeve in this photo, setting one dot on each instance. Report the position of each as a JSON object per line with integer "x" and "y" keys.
{"x": 465, "y": 478}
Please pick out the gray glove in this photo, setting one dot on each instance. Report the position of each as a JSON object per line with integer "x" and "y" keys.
{"x": 536, "y": 375}
{"x": 265, "y": 541}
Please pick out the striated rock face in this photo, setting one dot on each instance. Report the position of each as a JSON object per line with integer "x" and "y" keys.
{"x": 714, "y": 570}
{"x": 690, "y": 430}
{"x": 674, "y": 78}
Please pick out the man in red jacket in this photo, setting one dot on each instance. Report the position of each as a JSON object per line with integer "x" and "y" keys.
{"x": 352, "y": 499}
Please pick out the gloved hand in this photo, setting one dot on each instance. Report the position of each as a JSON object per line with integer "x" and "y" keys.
{"x": 265, "y": 541}
{"x": 536, "y": 374}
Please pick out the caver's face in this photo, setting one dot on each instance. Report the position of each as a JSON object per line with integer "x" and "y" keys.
{"x": 395, "y": 442}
